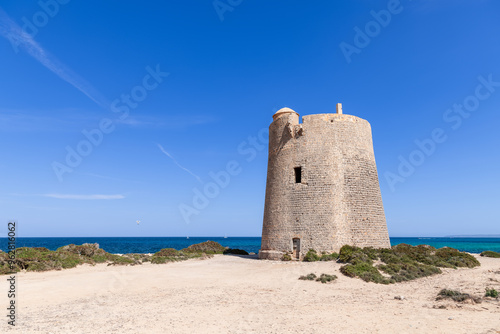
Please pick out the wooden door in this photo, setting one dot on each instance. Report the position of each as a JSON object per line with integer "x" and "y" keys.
{"x": 296, "y": 248}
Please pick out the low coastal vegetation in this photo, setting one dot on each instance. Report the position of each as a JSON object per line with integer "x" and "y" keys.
{"x": 397, "y": 264}
{"x": 309, "y": 277}
{"x": 491, "y": 293}
{"x": 457, "y": 296}
{"x": 202, "y": 250}
{"x": 207, "y": 247}
{"x": 43, "y": 259}
{"x": 461, "y": 297}
{"x": 312, "y": 256}
{"x": 329, "y": 257}
{"x": 173, "y": 255}
{"x": 323, "y": 278}
{"x": 490, "y": 254}
{"x": 401, "y": 262}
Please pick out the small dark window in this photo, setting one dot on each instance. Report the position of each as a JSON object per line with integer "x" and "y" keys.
{"x": 298, "y": 174}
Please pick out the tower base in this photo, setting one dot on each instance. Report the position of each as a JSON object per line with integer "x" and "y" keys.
{"x": 270, "y": 255}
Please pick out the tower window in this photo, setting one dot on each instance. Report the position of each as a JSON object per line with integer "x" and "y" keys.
{"x": 298, "y": 174}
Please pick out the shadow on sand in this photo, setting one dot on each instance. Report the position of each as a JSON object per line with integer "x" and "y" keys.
{"x": 248, "y": 257}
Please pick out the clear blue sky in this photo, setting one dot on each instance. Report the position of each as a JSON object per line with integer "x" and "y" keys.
{"x": 86, "y": 65}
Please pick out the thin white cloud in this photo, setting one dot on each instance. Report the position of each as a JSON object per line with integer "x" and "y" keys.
{"x": 108, "y": 177}
{"x": 134, "y": 122}
{"x": 84, "y": 197}
{"x": 178, "y": 164}
{"x": 173, "y": 121}
{"x": 23, "y": 41}
{"x": 35, "y": 120}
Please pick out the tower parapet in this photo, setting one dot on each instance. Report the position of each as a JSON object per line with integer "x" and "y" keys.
{"x": 322, "y": 188}
{"x": 286, "y": 112}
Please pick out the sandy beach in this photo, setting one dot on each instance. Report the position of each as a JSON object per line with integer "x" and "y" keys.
{"x": 232, "y": 294}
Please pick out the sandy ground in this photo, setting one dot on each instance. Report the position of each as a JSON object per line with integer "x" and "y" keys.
{"x": 230, "y": 294}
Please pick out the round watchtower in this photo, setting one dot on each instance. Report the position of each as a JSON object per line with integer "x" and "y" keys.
{"x": 322, "y": 188}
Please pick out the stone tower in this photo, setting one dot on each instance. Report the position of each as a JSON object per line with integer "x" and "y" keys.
{"x": 322, "y": 187}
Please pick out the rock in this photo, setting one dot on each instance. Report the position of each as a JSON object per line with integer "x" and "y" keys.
{"x": 399, "y": 297}
{"x": 235, "y": 251}
{"x": 450, "y": 318}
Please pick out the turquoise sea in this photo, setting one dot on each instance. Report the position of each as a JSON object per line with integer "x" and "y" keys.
{"x": 124, "y": 245}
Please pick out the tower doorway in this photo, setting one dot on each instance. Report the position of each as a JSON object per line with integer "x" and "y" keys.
{"x": 296, "y": 248}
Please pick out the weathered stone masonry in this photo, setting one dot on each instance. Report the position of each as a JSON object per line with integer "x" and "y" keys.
{"x": 322, "y": 187}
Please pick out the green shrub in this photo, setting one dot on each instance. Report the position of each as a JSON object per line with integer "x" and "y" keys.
{"x": 155, "y": 259}
{"x": 286, "y": 257}
{"x": 42, "y": 259}
{"x": 490, "y": 254}
{"x": 324, "y": 278}
{"x": 67, "y": 260}
{"x": 121, "y": 260}
{"x": 207, "y": 247}
{"x": 5, "y": 266}
{"x": 422, "y": 253}
{"x": 491, "y": 293}
{"x": 139, "y": 258}
{"x": 391, "y": 268}
{"x": 167, "y": 255}
{"x": 358, "y": 256}
{"x": 146, "y": 258}
{"x": 311, "y": 256}
{"x": 452, "y": 294}
{"x": 411, "y": 271}
{"x": 310, "y": 277}
{"x": 401, "y": 262}
{"x": 371, "y": 252}
{"x": 32, "y": 253}
{"x": 329, "y": 257}
{"x": 456, "y": 296}
{"x": 159, "y": 260}
{"x": 100, "y": 258}
{"x": 457, "y": 258}
{"x": 167, "y": 252}
{"x": 346, "y": 253}
{"x": 87, "y": 250}
{"x": 194, "y": 251}
{"x": 365, "y": 271}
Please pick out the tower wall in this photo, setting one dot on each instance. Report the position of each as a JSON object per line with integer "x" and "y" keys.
{"x": 338, "y": 200}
